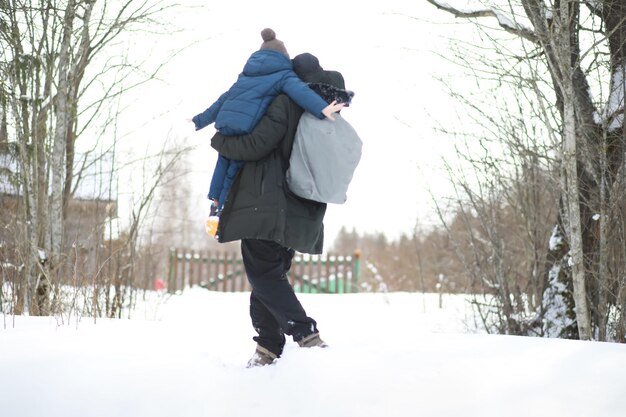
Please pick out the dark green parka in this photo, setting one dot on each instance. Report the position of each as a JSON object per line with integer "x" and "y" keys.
{"x": 259, "y": 205}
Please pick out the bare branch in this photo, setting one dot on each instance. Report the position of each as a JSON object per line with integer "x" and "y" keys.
{"x": 594, "y": 7}
{"x": 505, "y": 22}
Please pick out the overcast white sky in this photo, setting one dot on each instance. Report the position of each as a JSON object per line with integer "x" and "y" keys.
{"x": 387, "y": 52}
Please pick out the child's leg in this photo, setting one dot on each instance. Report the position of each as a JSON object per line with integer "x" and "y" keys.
{"x": 231, "y": 173}
{"x": 219, "y": 176}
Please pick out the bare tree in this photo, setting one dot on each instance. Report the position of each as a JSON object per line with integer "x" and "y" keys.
{"x": 581, "y": 47}
{"x": 56, "y": 82}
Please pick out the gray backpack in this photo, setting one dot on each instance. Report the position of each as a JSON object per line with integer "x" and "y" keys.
{"x": 324, "y": 156}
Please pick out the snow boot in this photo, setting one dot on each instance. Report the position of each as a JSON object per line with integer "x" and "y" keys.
{"x": 312, "y": 340}
{"x": 261, "y": 357}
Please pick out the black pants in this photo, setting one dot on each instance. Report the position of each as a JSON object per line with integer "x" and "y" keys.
{"x": 274, "y": 308}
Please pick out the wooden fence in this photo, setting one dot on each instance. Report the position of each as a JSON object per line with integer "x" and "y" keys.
{"x": 224, "y": 271}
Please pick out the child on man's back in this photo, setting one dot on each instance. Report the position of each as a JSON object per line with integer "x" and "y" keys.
{"x": 267, "y": 73}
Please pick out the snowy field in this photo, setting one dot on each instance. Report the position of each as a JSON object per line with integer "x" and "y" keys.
{"x": 390, "y": 355}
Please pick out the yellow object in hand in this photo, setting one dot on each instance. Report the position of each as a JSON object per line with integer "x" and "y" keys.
{"x": 210, "y": 225}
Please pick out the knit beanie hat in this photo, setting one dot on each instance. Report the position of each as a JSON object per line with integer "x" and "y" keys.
{"x": 270, "y": 42}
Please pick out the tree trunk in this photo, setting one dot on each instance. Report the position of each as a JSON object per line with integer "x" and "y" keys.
{"x": 572, "y": 197}
{"x": 62, "y": 118}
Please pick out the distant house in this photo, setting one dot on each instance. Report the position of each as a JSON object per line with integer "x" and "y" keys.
{"x": 87, "y": 215}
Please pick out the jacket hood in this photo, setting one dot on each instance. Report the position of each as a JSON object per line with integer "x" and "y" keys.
{"x": 265, "y": 62}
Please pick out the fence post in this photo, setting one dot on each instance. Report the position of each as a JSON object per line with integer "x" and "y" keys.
{"x": 192, "y": 268}
{"x": 224, "y": 267}
{"x": 355, "y": 273}
{"x": 440, "y": 281}
{"x": 212, "y": 282}
{"x": 334, "y": 266}
{"x": 171, "y": 278}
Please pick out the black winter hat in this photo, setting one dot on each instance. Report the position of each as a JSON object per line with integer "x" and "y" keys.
{"x": 305, "y": 64}
{"x": 327, "y": 84}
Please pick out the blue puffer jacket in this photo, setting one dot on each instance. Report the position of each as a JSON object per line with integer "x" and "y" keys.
{"x": 266, "y": 74}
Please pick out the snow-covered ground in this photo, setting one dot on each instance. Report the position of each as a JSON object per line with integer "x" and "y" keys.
{"x": 390, "y": 355}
